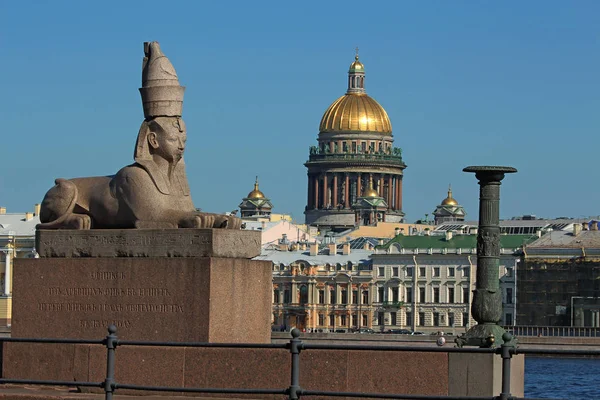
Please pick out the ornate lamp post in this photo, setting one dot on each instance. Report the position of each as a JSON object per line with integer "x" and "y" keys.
{"x": 487, "y": 299}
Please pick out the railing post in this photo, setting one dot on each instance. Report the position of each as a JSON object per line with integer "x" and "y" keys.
{"x": 506, "y": 352}
{"x": 295, "y": 347}
{"x": 111, "y": 344}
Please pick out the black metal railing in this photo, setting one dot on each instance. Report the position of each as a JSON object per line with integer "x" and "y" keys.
{"x": 563, "y": 331}
{"x": 295, "y": 346}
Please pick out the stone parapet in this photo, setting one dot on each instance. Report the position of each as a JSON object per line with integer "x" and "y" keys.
{"x": 227, "y": 243}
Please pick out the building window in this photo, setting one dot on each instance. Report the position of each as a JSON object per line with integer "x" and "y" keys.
{"x": 286, "y": 296}
{"x": 393, "y": 316}
{"x": 332, "y": 320}
{"x": 465, "y": 271}
{"x": 450, "y": 271}
{"x": 409, "y": 272}
{"x": 355, "y": 297}
{"x": 509, "y": 296}
{"x": 409, "y": 295}
{"x": 380, "y": 293}
{"x": 321, "y": 296}
{"x": 365, "y": 297}
{"x": 381, "y": 271}
{"x": 343, "y": 320}
{"x": 509, "y": 272}
{"x": 395, "y": 271}
{"x": 421, "y": 272}
{"x": 395, "y": 296}
{"x": 379, "y": 318}
{"x": 321, "y": 320}
{"x": 303, "y": 294}
{"x": 509, "y": 319}
{"x": 436, "y": 272}
{"x": 354, "y": 320}
{"x": 421, "y": 319}
{"x": 436, "y": 294}
{"x": 465, "y": 295}
{"x": 275, "y": 296}
{"x": 451, "y": 319}
{"x": 332, "y": 296}
{"x": 451, "y": 295}
{"x": 409, "y": 320}
{"x": 465, "y": 319}
{"x": 344, "y": 297}
{"x": 421, "y": 295}
{"x": 354, "y": 147}
{"x": 365, "y": 320}
{"x": 436, "y": 319}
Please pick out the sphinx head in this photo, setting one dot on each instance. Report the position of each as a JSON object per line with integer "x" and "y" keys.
{"x": 161, "y": 136}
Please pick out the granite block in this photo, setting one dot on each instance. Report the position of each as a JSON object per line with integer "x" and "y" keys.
{"x": 154, "y": 299}
{"x": 112, "y": 243}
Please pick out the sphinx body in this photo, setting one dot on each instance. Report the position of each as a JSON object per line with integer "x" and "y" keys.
{"x": 153, "y": 192}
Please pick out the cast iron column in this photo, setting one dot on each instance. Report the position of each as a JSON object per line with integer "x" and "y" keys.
{"x": 487, "y": 299}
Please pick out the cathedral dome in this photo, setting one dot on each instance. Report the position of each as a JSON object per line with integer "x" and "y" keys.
{"x": 355, "y": 112}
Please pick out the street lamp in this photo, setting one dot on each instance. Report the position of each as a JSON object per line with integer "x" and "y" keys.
{"x": 487, "y": 299}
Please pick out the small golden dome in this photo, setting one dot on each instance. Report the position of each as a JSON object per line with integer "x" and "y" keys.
{"x": 449, "y": 201}
{"x": 357, "y": 66}
{"x": 355, "y": 112}
{"x": 371, "y": 193}
{"x": 256, "y": 194}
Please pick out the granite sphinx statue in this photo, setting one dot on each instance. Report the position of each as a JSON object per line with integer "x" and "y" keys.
{"x": 153, "y": 192}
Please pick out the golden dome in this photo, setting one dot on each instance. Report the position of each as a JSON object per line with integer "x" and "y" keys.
{"x": 256, "y": 194}
{"x": 357, "y": 66}
{"x": 355, "y": 112}
{"x": 449, "y": 201}
{"x": 371, "y": 193}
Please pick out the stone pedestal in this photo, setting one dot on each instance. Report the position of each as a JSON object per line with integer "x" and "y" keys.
{"x": 471, "y": 374}
{"x": 147, "y": 295}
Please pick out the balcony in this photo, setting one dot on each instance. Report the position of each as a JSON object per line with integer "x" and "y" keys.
{"x": 395, "y": 159}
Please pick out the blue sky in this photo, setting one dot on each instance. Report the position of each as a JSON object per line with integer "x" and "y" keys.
{"x": 464, "y": 83}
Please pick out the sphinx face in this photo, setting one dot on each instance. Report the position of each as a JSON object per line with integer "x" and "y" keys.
{"x": 169, "y": 142}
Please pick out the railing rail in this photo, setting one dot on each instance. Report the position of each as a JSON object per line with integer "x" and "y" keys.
{"x": 295, "y": 347}
{"x": 563, "y": 331}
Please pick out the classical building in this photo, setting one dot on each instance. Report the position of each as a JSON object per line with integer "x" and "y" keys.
{"x": 17, "y": 239}
{"x": 558, "y": 279}
{"x": 449, "y": 210}
{"x": 425, "y": 282}
{"x": 355, "y": 172}
{"x": 256, "y": 204}
{"x": 320, "y": 288}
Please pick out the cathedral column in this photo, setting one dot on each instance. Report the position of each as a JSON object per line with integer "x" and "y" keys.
{"x": 390, "y": 194}
{"x": 316, "y": 192}
{"x": 325, "y": 191}
{"x": 379, "y": 188}
{"x": 310, "y": 193}
{"x": 340, "y": 147}
{"x": 358, "y": 185}
{"x": 334, "y": 202}
{"x": 347, "y": 191}
{"x": 400, "y": 194}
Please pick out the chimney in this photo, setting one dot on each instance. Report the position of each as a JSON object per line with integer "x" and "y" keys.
{"x": 539, "y": 233}
{"x": 396, "y": 231}
{"x": 2, "y": 210}
{"x": 36, "y": 209}
{"x": 594, "y": 226}
{"x": 427, "y": 232}
{"x": 28, "y": 216}
{"x": 473, "y": 231}
{"x": 283, "y": 246}
{"x": 366, "y": 246}
{"x": 448, "y": 236}
{"x": 585, "y": 226}
{"x": 346, "y": 249}
{"x": 314, "y": 249}
{"x": 332, "y": 249}
{"x": 576, "y": 229}
{"x": 381, "y": 242}
{"x": 302, "y": 246}
{"x": 263, "y": 225}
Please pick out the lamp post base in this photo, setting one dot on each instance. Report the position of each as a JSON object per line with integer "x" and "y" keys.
{"x": 484, "y": 335}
